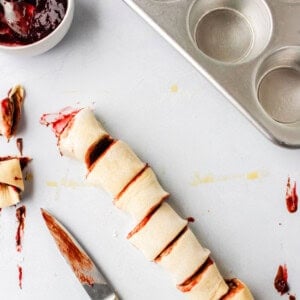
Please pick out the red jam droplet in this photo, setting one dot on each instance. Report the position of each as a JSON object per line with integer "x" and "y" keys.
{"x": 35, "y": 18}
{"x": 291, "y": 197}
{"x": 280, "y": 281}
{"x": 190, "y": 219}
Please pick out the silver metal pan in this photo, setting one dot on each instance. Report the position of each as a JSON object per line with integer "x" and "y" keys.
{"x": 249, "y": 49}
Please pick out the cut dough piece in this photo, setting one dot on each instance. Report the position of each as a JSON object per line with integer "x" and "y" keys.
{"x": 184, "y": 257}
{"x": 157, "y": 231}
{"x": 82, "y": 133}
{"x": 142, "y": 195}
{"x": 9, "y": 195}
{"x": 207, "y": 284}
{"x": 237, "y": 291}
{"x": 11, "y": 111}
{"x": 115, "y": 169}
{"x": 11, "y": 173}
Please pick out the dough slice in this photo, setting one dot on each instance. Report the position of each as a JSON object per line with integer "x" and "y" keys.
{"x": 115, "y": 169}
{"x": 9, "y": 195}
{"x": 207, "y": 284}
{"x": 11, "y": 173}
{"x": 237, "y": 291}
{"x": 184, "y": 257}
{"x": 142, "y": 195}
{"x": 157, "y": 231}
{"x": 82, "y": 133}
{"x": 11, "y": 111}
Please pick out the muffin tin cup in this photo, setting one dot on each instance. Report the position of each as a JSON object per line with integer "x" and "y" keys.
{"x": 249, "y": 49}
{"x": 230, "y": 31}
{"x": 278, "y": 85}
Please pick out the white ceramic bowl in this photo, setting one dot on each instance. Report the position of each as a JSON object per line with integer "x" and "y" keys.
{"x": 47, "y": 42}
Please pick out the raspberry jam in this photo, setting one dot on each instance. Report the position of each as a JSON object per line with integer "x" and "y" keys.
{"x": 36, "y": 18}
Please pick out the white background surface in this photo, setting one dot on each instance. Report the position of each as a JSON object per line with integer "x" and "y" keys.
{"x": 113, "y": 61}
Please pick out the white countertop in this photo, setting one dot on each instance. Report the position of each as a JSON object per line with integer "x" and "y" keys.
{"x": 217, "y": 166}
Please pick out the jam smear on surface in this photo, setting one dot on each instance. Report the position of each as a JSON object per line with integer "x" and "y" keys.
{"x": 21, "y": 215}
{"x": 19, "y": 143}
{"x": 20, "y": 276}
{"x": 291, "y": 197}
{"x": 36, "y": 18}
{"x": 280, "y": 281}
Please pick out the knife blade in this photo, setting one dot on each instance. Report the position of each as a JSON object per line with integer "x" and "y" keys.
{"x": 82, "y": 265}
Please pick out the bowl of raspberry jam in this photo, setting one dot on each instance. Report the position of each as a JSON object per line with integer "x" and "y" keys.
{"x": 32, "y": 27}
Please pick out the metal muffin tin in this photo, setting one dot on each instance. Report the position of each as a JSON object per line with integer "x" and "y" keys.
{"x": 249, "y": 49}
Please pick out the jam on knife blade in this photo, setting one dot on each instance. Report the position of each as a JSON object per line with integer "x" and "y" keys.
{"x": 83, "y": 267}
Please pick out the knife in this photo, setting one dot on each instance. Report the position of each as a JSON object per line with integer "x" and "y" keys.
{"x": 82, "y": 265}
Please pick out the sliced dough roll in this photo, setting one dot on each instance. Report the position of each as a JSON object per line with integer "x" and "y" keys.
{"x": 82, "y": 133}
{"x": 157, "y": 231}
{"x": 9, "y": 195}
{"x": 115, "y": 169}
{"x": 11, "y": 173}
{"x": 237, "y": 291}
{"x": 184, "y": 257}
{"x": 142, "y": 195}
{"x": 207, "y": 284}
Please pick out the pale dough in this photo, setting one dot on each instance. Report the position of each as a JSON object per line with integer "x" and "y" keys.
{"x": 164, "y": 225}
{"x": 142, "y": 195}
{"x": 184, "y": 258}
{"x": 210, "y": 285}
{"x": 115, "y": 168}
{"x": 8, "y": 196}
{"x": 11, "y": 173}
{"x": 240, "y": 293}
{"x": 83, "y": 132}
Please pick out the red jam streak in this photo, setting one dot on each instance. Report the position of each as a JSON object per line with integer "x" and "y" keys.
{"x": 21, "y": 215}
{"x": 79, "y": 261}
{"x": 36, "y": 18}
{"x": 134, "y": 179}
{"x": 291, "y": 197}
{"x": 19, "y": 143}
{"x": 59, "y": 121}
{"x": 143, "y": 223}
{"x": 97, "y": 150}
{"x": 191, "y": 282}
{"x": 20, "y": 277}
{"x": 280, "y": 281}
{"x": 168, "y": 249}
